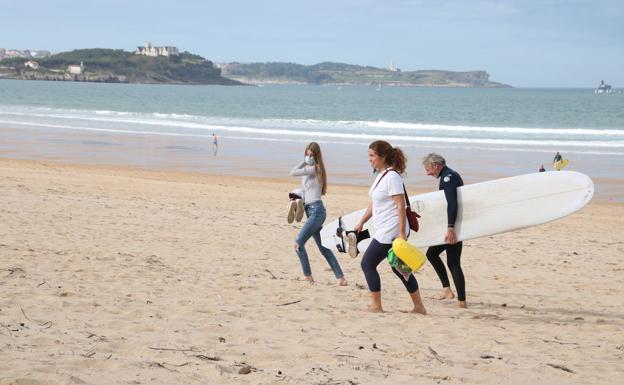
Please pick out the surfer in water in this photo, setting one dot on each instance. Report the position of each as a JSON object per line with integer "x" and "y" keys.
{"x": 314, "y": 183}
{"x": 450, "y": 180}
{"x": 387, "y": 209}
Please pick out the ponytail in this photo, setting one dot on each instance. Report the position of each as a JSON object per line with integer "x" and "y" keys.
{"x": 399, "y": 161}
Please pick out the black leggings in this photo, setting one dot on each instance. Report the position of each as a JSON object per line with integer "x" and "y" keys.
{"x": 453, "y": 258}
{"x": 375, "y": 253}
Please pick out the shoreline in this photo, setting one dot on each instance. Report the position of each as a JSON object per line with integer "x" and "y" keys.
{"x": 252, "y": 157}
{"x": 176, "y": 175}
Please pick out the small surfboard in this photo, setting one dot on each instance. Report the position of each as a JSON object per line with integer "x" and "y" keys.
{"x": 486, "y": 208}
{"x": 560, "y": 164}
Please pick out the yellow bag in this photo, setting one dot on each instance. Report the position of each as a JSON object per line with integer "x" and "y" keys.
{"x": 409, "y": 254}
{"x": 558, "y": 165}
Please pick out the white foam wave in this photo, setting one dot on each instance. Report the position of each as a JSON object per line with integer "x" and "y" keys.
{"x": 334, "y": 135}
{"x": 329, "y": 125}
{"x": 506, "y": 130}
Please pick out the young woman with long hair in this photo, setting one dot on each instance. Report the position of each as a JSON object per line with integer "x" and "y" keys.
{"x": 314, "y": 182}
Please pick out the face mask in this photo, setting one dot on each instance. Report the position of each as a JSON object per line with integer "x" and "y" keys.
{"x": 309, "y": 160}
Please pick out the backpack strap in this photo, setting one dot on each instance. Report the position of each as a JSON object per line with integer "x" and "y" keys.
{"x": 382, "y": 176}
{"x": 407, "y": 202}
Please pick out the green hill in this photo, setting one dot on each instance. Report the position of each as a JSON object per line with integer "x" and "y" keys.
{"x": 118, "y": 66}
{"x": 341, "y": 73}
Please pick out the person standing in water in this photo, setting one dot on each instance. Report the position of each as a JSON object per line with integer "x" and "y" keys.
{"x": 314, "y": 181}
{"x": 387, "y": 209}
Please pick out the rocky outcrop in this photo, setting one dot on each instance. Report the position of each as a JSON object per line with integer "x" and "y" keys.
{"x": 340, "y": 73}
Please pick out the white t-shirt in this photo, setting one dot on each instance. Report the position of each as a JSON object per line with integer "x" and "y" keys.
{"x": 385, "y": 217}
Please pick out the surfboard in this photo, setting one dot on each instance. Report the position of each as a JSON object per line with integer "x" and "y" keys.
{"x": 485, "y": 208}
{"x": 560, "y": 164}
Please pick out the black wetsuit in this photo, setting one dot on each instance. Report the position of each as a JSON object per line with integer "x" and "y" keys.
{"x": 450, "y": 180}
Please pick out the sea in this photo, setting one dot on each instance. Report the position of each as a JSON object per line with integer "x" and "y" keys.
{"x": 263, "y": 130}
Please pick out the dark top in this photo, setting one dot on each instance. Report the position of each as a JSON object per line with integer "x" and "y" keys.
{"x": 450, "y": 180}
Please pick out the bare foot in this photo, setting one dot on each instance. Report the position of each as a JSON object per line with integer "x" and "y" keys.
{"x": 419, "y": 310}
{"x": 462, "y": 304}
{"x": 309, "y": 278}
{"x": 446, "y": 293}
{"x": 375, "y": 309}
{"x": 342, "y": 282}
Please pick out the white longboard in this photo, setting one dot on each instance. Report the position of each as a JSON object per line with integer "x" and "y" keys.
{"x": 486, "y": 208}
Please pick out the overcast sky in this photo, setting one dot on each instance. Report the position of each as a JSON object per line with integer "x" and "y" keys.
{"x": 550, "y": 43}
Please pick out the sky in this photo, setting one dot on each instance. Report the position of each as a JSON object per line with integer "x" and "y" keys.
{"x": 525, "y": 43}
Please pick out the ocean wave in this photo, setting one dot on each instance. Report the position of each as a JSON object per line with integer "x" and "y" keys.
{"x": 353, "y": 138}
{"x": 498, "y": 130}
{"x": 339, "y": 126}
{"x": 112, "y": 113}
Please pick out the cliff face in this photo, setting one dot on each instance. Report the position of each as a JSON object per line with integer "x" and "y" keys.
{"x": 118, "y": 66}
{"x": 340, "y": 73}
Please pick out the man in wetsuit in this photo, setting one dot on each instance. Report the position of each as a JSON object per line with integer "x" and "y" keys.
{"x": 450, "y": 180}
{"x": 557, "y": 157}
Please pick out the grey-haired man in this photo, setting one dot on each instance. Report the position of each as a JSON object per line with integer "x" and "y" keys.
{"x": 450, "y": 180}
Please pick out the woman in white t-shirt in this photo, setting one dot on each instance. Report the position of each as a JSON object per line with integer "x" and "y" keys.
{"x": 387, "y": 208}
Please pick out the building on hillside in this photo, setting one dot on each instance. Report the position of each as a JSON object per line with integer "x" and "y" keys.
{"x": 393, "y": 68}
{"x": 39, "y": 53}
{"x": 75, "y": 69}
{"x": 149, "y": 50}
{"x": 32, "y": 64}
{"x": 11, "y": 53}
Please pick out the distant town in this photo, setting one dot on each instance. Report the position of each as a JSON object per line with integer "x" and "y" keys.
{"x": 27, "y": 53}
{"x": 146, "y": 50}
{"x": 77, "y": 69}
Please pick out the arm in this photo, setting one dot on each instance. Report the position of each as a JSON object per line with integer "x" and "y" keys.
{"x": 367, "y": 215}
{"x": 399, "y": 201}
{"x": 302, "y": 170}
{"x": 450, "y": 192}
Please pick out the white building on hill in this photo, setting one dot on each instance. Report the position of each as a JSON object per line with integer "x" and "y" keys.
{"x": 75, "y": 69}
{"x": 149, "y": 50}
{"x": 32, "y": 64}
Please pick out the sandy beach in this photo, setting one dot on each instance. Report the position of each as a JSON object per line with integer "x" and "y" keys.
{"x": 116, "y": 275}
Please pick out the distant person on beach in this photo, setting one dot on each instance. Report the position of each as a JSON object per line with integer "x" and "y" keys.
{"x": 314, "y": 183}
{"x": 559, "y": 163}
{"x": 557, "y": 157}
{"x": 215, "y": 144}
{"x": 387, "y": 209}
{"x": 450, "y": 180}
{"x": 542, "y": 169}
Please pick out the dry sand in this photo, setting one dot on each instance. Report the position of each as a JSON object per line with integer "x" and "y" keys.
{"x": 123, "y": 276}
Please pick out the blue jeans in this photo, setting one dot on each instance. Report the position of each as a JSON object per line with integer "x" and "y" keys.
{"x": 316, "y": 214}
